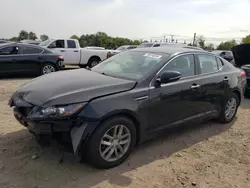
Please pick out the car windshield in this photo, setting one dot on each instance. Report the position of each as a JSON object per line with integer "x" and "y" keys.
{"x": 130, "y": 65}
{"x": 121, "y": 48}
{"x": 45, "y": 43}
{"x": 145, "y": 45}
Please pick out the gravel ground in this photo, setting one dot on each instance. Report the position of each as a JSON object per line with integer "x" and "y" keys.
{"x": 206, "y": 155}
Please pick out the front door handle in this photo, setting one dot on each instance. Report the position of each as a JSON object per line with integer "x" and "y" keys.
{"x": 195, "y": 86}
{"x": 14, "y": 60}
{"x": 62, "y": 50}
{"x": 76, "y": 51}
{"x": 226, "y": 78}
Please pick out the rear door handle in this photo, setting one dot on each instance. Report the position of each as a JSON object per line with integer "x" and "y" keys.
{"x": 195, "y": 86}
{"x": 62, "y": 50}
{"x": 226, "y": 78}
{"x": 76, "y": 51}
{"x": 14, "y": 60}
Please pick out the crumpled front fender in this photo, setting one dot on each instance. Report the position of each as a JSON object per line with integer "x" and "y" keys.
{"x": 80, "y": 135}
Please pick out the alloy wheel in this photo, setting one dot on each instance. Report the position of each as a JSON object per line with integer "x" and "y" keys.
{"x": 115, "y": 143}
{"x": 48, "y": 69}
{"x": 231, "y": 108}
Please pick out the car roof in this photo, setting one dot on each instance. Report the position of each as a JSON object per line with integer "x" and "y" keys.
{"x": 166, "y": 49}
{"x": 21, "y": 44}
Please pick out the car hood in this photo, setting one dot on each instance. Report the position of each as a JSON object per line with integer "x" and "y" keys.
{"x": 71, "y": 86}
{"x": 241, "y": 54}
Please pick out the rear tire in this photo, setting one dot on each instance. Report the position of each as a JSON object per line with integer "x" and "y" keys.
{"x": 93, "y": 61}
{"x": 47, "y": 68}
{"x": 105, "y": 148}
{"x": 229, "y": 109}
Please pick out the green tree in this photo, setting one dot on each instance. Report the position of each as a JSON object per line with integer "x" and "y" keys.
{"x": 103, "y": 40}
{"x": 44, "y": 37}
{"x": 23, "y": 35}
{"x": 32, "y": 36}
{"x": 227, "y": 45}
{"x": 246, "y": 39}
{"x": 201, "y": 41}
{"x": 74, "y": 37}
{"x": 14, "y": 39}
{"x": 209, "y": 47}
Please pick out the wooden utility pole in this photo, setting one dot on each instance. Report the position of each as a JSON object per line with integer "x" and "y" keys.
{"x": 194, "y": 39}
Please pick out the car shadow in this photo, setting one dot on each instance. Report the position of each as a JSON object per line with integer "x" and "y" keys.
{"x": 47, "y": 167}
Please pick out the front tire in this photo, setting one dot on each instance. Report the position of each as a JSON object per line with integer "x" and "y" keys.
{"x": 229, "y": 108}
{"x": 111, "y": 143}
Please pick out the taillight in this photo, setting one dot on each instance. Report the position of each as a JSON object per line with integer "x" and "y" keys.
{"x": 60, "y": 57}
{"x": 243, "y": 73}
{"x": 108, "y": 55}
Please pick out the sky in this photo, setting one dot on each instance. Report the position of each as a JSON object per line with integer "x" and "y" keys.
{"x": 135, "y": 19}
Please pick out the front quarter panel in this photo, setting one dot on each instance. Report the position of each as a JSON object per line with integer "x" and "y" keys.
{"x": 134, "y": 103}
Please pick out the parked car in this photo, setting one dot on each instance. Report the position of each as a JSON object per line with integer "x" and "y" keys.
{"x": 27, "y": 58}
{"x": 242, "y": 60}
{"x": 35, "y": 42}
{"x": 73, "y": 54}
{"x": 122, "y": 49}
{"x": 226, "y": 54}
{"x": 158, "y": 44}
{"x": 4, "y": 41}
{"x": 128, "y": 98}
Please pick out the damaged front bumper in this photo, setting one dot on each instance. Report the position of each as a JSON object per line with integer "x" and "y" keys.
{"x": 77, "y": 129}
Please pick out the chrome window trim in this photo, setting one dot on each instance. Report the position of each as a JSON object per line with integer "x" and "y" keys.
{"x": 191, "y": 53}
{"x": 151, "y": 85}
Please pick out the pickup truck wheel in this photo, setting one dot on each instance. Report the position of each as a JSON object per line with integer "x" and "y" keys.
{"x": 93, "y": 61}
{"x": 111, "y": 143}
{"x": 48, "y": 68}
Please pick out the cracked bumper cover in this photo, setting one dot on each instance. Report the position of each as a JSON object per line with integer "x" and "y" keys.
{"x": 79, "y": 130}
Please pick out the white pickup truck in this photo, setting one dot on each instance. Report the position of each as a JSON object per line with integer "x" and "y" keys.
{"x": 73, "y": 54}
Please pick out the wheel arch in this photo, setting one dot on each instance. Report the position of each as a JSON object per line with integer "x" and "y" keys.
{"x": 237, "y": 92}
{"x": 94, "y": 57}
{"x": 128, "y": 114}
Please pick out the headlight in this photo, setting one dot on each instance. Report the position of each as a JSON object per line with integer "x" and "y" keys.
{"x": 56, "y": 111}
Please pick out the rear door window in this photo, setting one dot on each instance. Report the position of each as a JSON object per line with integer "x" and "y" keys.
{"x": 156, "y": 45}
{"x": 31, "y": 50}
{"x": 10, "y": 50}
{"x": 208, "y": 63}
{"x": 71, "y": 44}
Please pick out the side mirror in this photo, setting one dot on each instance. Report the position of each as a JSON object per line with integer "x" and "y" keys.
{"x": 168, "y": 76}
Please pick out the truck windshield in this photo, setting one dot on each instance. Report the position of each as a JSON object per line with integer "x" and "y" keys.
{"x": 131, "y": 65}
{"x": 45, "y": 43}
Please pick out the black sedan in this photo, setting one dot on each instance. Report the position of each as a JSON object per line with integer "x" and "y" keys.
{"x": 128, "y": 98}
{"x": 27, "y": 58}
{"x": 242, "y": 60}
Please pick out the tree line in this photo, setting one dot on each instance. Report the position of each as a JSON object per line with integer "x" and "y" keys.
{"x": 227, "y": 45}
{"x": 99, "y": 39}
{"x": 103, "y": 40}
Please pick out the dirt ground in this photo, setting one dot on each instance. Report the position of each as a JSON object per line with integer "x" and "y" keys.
{"x": 207, "y": 155}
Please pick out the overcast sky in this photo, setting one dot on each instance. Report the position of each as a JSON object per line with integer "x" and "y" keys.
{"x": 127, "y": 18}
